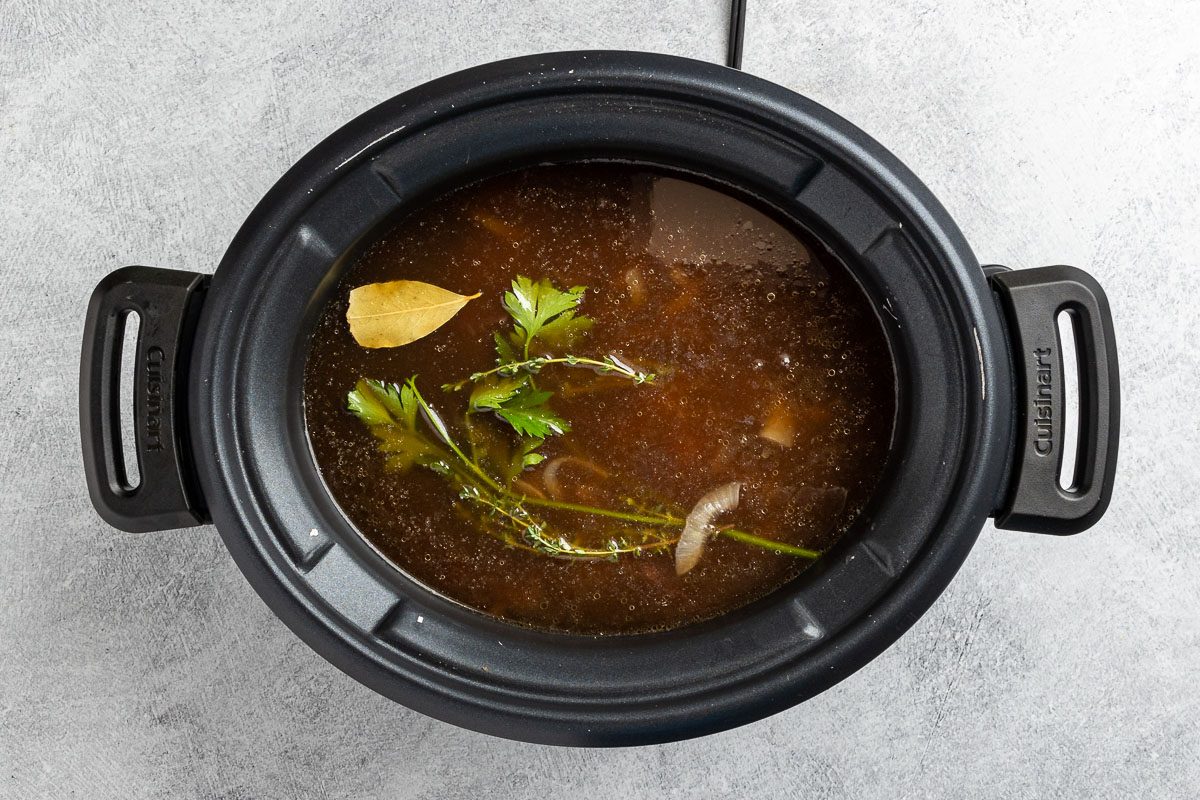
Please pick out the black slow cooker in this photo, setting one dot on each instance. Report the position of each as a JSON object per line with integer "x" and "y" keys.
{"x": 979, "y": 433}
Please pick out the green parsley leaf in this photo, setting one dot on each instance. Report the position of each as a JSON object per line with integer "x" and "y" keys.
{"x": 532, "y": 305}
{"x": 525, "y": 455}
{"x": 378, "y": 403}
{"x": 403, "y": 448}
{"x": 506, "y": 353}
{"x": 566, "y": 329}
{"x": 366, "y": 405}
{"x": 529, "y": 415}
{"x": 494, "y": 393}
{"x": 408, "y": 406}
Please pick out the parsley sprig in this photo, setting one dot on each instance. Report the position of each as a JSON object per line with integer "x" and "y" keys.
{"x": 543, "y": 316}
{"x": 539, "y": 309}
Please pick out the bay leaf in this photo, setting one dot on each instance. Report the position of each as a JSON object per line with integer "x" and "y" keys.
{"x": 395, "y": 313}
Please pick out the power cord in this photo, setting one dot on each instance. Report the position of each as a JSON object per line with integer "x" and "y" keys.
{"x": 737, "y": 31}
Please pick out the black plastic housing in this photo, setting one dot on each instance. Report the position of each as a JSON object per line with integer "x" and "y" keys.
{"x": 1032, "y": 299}
{"x": 960, "y": 400}
{"x": 167, "y": 304}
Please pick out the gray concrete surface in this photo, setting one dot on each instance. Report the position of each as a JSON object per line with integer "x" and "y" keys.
{"x": 145, "y": 667}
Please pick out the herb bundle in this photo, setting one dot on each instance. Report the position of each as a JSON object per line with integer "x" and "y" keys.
{"x": 410, "y": 432}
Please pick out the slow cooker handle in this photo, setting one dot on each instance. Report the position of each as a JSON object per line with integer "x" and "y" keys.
{"x": 167, "y": 303}
{"x": 1031, "y": 300}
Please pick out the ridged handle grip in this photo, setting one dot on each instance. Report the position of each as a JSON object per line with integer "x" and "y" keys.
{"x": 167, "y": 303}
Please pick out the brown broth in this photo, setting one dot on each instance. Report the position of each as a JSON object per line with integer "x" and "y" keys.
{"x": 742, "y": 317}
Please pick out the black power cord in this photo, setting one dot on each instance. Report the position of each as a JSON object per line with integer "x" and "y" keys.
{"x": 737, "y": 31}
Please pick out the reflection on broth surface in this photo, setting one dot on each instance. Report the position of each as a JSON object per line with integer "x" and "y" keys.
{"x": 770, "y": 370}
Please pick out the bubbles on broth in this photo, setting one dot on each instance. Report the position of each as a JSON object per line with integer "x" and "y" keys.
{"x": 773, "y": 371}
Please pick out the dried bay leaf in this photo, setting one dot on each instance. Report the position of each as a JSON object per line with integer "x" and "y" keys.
{"x": 395, "y": 313}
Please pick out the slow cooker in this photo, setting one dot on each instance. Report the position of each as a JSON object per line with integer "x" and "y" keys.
{"x": 979, "y": 432}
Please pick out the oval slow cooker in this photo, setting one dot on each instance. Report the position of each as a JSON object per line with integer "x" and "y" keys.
{"x": 220, "y": 432}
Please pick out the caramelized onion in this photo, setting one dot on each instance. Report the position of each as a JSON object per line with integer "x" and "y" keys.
{"x": 698, "y": 526}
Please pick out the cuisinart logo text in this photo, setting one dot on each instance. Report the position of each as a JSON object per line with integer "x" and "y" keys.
{"x": 1043, "y": 404}
{"x": 154, "y": 361}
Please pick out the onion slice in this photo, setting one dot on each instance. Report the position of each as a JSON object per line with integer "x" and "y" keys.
{"x": 636, "y": 287}
{"x": 550, "y": 473}
{"x": 698, "y": 527}
{"x": 780, "y": 426}
{"x": 529, "y": 489}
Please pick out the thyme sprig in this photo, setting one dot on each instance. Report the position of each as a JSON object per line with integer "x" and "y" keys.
{"x": 393, "y": 414}
{"x": 608, "y": 365}
{"x": 543, "y": 314}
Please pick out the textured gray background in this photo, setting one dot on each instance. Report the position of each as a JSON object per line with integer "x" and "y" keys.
{"x": 144, "y": 666}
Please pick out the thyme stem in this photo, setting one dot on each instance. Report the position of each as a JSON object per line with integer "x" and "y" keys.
{"x": 535, "y": 364}
{"x": 604, "y": 512}
{"x": 445, "y": 436}
{"x": 769, "y": 544}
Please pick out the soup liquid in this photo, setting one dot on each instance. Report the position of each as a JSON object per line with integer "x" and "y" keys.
{"x": 772, "y": 370}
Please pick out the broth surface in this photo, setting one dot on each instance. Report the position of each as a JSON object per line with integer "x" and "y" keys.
{"x": 772, "y": 370}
